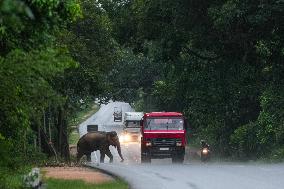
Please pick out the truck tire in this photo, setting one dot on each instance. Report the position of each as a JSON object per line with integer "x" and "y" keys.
{"x": 145, "y": 159}
{"x": 178, "y": 159}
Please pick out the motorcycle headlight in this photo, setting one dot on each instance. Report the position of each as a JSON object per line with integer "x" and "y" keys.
{"x": 205, "y": 151}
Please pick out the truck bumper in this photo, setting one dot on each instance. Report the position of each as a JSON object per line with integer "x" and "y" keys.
{"x": 163, "y": 152}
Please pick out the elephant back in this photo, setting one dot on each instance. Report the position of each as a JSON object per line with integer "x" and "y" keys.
{"x": 92, "y": 141}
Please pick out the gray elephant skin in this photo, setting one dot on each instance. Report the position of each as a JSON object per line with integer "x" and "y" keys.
{"x": 101, "y": 141}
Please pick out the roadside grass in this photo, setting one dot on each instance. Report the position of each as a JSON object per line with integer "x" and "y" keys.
{"x": 74, "y": 137}
{"x": 11, "y": 180}
{"x": 84, "y": 114}
{"x": 79, "y": 184}
{"x": 80, "y": 117}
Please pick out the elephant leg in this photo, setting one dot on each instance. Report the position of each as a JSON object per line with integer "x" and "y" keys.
{"x": 108, "y": 153}
{"x": 88, "y": 157}
{"x": 102, "y": 159}
{"x": 79, "y": 156}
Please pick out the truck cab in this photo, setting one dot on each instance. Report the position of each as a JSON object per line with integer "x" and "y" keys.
{"x": 117, "y": 114}
{"x": 163, "y": 135}
{"x": 131, "y": 127}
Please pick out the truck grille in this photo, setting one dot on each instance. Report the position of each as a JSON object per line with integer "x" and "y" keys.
{"x": 164, "y": 141}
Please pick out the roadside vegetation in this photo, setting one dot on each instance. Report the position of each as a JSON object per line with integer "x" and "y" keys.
{"x": 220, "y": 63}
{"x": 43, "y": 82}
{"x": 80, "y": 116}
{"x": 78, "y": 184}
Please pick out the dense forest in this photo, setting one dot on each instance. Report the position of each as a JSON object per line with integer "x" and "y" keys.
{"x": 218, "y": 62}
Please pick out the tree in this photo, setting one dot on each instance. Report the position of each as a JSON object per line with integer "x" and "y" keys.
{"x": 30, "y": 60}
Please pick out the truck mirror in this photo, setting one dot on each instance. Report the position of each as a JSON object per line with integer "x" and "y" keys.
{"x": 141, "y": 122}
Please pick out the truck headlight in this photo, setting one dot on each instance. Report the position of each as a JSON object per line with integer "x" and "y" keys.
{"x": 178, "y": 143}
{"x": 148, "y": 143}
{"x": 121, "y": 138}
{"x": 126, "y": 137}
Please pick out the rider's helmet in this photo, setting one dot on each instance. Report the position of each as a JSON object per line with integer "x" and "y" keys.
{"x": 202, "y": 142}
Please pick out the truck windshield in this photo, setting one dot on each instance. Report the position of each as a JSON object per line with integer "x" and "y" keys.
{"x": 164, "y": 123}
{"x": 132, "y": 123}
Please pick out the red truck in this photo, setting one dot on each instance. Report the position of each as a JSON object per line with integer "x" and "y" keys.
{"x": 163, "y": 135}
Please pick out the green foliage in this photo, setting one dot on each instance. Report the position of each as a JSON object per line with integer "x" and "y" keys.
{"x": 244, "y": 141}
{"x": 271, "y": 118}
{"x": 30, "y": 25}
{"x": 29, "y": 95}
{"x": 78, "y": 184}
{"x": 218, "y": 62}
{"x": 10, "y": 180}
{"x": 130, "y": 74}
{"x": 265, "y": 136}
{"x": 276, "y": 155}
{"x": 31, "y": 61}
{"x": 90, "y": 43}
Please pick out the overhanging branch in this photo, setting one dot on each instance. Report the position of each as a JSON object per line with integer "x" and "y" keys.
{"x": 190, "y": 51}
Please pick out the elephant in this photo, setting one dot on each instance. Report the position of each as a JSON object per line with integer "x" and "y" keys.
{"x": 98, "y": 140}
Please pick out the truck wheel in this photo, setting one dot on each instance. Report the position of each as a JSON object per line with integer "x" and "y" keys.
{"x": 178, "y": 159}
{"x": 145, "y": 159}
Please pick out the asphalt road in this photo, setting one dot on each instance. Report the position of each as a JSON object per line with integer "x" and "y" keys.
{"x": 162, "y": 174}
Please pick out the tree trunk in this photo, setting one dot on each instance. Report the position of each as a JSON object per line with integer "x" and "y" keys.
{"x": 60, "y": 130}
{"x": 63, "y": 134}
{"x": 38, "y": 137}
{"x": 48, "y": 147}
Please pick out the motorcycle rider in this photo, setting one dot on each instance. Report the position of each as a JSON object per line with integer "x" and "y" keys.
{"x": 204, "y": 144}
{"x": 204, "y": 151}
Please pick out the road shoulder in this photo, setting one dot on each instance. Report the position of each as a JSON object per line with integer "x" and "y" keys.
{"x": 77, "y": 173}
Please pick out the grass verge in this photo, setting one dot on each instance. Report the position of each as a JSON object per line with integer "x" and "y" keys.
{"x": 78, "y": 118}
{"x": 74, "y": 137}
{"x": 84, "y": 114}
{"x": 79, "y": 184}
{"x": 13, "y": 179}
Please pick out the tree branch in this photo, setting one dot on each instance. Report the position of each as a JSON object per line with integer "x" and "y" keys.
{"x": 190, "y": 51}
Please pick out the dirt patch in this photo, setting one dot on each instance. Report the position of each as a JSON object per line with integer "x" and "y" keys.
{"x": 77, "y": 173}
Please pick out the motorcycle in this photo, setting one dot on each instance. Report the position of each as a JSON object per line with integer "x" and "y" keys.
{"x": 205, "y": 154}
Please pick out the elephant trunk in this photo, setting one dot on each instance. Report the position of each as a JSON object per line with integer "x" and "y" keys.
{"x": 119, "y": 151}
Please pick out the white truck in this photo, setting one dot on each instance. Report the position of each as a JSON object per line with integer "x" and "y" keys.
{"x": 117, "y": 114}
{"x": 131, "y": 127}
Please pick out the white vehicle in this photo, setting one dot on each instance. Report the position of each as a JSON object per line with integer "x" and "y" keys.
{"x": 131, "y": 127}
{"x": 117, "y": 114}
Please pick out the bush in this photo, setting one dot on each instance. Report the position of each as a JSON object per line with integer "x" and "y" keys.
{"x": 244, "y": 141}
{"x": 12, "y": 179}
{"x": 277, "y": 155}
{"x": 271, "y": 120}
